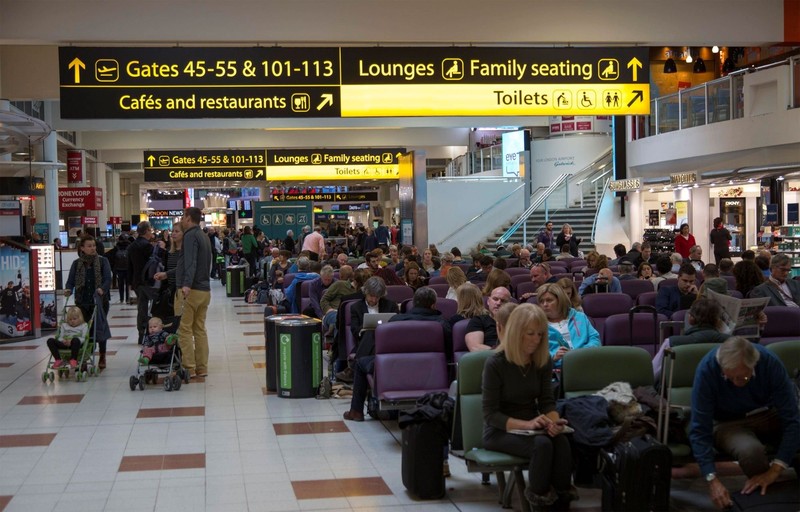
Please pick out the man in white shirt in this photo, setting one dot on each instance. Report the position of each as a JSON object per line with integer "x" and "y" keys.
{"x": 778, "y": 288}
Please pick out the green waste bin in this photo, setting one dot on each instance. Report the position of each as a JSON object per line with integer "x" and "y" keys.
{"x": 299, "y": 357}
{"x": 271, "y": 345}
{"x": 234, "y": 284}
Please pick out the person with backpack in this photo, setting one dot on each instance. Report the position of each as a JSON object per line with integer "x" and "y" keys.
{"x": 119, "y": 265}
{"x": 139, "y": 253}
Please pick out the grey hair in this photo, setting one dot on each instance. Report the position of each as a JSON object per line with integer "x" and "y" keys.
{"x": 327, "y": 270}
{"x": 778, "y": 260}
{"x": 735, "y": 351}
{"x": 374, "y": 286}
{"x": 289, "y": 232}
{"x": 424, "y": 297}
{"x": 676, "y": 257}
{"x": 303, "y": 263}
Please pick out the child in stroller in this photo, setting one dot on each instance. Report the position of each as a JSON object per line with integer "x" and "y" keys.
{"x": 70, "y": 336}
{"x": 160, "y": 354}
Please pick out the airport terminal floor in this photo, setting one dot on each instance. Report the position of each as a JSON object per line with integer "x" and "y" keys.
{"x": 218, "y": 445}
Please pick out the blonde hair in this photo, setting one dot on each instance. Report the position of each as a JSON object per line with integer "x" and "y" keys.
{"x": 172, "y": 242}
{"x": 501, "y": 317}
{"x": 157, "y": 320}
{"x": 561, "y": 297}
{"x": 75, "y": 312}
{"x": 568, "y": 284}
{"x": 470, "y": 301}
{"x": 455, "y": 277}
{"x": 524, "y": 318}
{"x": 496, "y": 279}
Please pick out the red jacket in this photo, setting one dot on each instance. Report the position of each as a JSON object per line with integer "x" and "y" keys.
{"x": 683, "y": 245}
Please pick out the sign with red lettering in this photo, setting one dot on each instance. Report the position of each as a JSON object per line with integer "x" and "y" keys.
{"x": 80, "y": 198}
{"x": 74, "y": 166}
{"x": 91, "y": 221}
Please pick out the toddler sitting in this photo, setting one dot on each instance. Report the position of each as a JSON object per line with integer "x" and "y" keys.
{"x": 68, "y": 337}
{"x": 156, "y": 341}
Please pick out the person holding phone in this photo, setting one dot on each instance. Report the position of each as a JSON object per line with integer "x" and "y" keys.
{"x": 518, "y": 395}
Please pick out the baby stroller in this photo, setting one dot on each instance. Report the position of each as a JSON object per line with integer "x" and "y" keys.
{"x": 163, "y": 363}
{"x": 86, "y": 362}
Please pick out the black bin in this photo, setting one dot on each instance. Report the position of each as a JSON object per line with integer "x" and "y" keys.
{"x": 234, "y": 284}
{"x": 271, "y": 345}
{"x": 299, "y": 357}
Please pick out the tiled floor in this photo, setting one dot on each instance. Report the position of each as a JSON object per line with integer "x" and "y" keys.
{"x": 224, "y": 444}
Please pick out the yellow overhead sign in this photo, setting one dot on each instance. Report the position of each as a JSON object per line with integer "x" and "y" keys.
{"x": 333, "y": 164}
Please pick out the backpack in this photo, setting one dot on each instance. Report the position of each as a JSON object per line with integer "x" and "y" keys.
{"x": 121, "y": 258}
{"x": 153, "y": 266}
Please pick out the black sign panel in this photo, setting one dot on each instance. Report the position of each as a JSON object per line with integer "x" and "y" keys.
{"x": 208, "y": 164}
{"x": 265, "y": 82}
{"x": 327, "y": 196}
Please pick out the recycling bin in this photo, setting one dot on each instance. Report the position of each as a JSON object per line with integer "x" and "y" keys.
{"x": 234, "y": 284}
{"x": 271, "y": 345}
{"x": 299, "y": 357}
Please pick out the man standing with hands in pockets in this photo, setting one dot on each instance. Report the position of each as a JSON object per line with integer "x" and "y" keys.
{"x": 192, "y": 281}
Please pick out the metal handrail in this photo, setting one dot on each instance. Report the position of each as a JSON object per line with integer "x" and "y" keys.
{"x": 597, "y": 212}
{"x": 580, "y": 175}
{"x": 484, "y": 212}
{"x": 532, "y": 208}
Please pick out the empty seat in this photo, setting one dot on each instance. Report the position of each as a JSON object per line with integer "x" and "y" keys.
{"x": 437, "y": 280}
{"x": 783, "y": 323}
{"x": 410, "y": 361}
{"x": 399, "y": 293}
{"x": 519, "y": 279}
{"x": 518, "y": 271}
{"x": 599, "y": 306}
{"x": 440, "y": 289}
{"x": 635, "y": 287}
{"x": 524, "y": 288}
{"x": 668, "y": 282}
{"x": 647, "y": 299}
{"x": 588, "y": 370}
{"x": 640, "y": 330}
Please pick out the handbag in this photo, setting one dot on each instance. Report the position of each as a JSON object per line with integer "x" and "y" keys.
{"x": 164, "y": 303}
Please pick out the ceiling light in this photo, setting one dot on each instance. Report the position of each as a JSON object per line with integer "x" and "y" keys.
{"x": 780, "y": 178}
{"x": 670, "y": 66}
{"x": 696, "y": 185}
{"x": 652, "y": 190}
{"x": 751, "y": 180}
{"x": 689, "y": 55}
{"x": 730, "y": 182}
{"x": 715, "y": 49}
{"x": 699, "y": 66}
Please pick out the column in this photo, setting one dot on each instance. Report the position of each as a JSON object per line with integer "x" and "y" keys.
{"x": 99, "y": 181}
{"x": 414, "y": 199}
{"x": 50, "y": 154}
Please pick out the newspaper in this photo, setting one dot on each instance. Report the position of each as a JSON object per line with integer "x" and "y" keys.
{"x": 740, "y": 316}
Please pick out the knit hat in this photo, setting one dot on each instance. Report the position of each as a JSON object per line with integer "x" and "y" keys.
{"x": 717, "y": 285}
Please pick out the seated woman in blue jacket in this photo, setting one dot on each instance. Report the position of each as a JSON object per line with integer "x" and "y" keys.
{"x": 568, "y": 329}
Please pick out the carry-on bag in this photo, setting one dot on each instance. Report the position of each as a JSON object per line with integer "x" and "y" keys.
{"x": 636, "y": 476}
{"x": 423, "y": 459}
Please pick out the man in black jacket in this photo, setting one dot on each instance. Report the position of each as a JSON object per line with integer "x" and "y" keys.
{"x": 424, "y": 309}
{"x": 138, "y": 254}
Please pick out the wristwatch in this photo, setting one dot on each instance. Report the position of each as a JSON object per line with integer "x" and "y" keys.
{"x": 710, "y": 477}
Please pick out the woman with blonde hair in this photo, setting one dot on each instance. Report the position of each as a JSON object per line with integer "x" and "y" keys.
{"x": 455, "y": 277}
{"x": 470, "y": 303}
{"x": 568, "y": 285}
{"x": 569, "y": 329}
{"x": 518, "y": 395}
{"x": 567, "y": 237}
{"x": 497, "y": 278}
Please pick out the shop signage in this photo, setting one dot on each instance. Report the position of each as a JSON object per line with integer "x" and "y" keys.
{"x": 74, "y": 166}
{"x": 80, "y": 198}
{"x": 207, "y": 164}
{"x": 163, "y": 213}
{"x": 629, "y": 184}
{"x": 115, "y": 221}
{"x": 683, "y": 178}
{"x": 90, "y": 221}
{"x": 338, "y": 196}
{"x": 275, "y": 82}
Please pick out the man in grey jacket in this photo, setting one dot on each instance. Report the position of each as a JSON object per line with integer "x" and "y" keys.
{"x": 192, "y": 280}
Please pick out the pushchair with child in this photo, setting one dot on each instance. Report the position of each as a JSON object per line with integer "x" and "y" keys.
{"x": 163, "y": 362}
{"x": 85, "y": 357}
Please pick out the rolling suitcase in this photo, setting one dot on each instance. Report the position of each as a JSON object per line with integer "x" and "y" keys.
{"x": 644, "y": 309}
{"x": 423, "y": 459}
{"x": 636, "y": 476}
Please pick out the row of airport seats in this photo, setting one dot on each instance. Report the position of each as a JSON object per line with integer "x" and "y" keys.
{"x": 584, "y": 372}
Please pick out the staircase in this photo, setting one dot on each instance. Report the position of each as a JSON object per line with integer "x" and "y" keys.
{"x": 580, "y": 218}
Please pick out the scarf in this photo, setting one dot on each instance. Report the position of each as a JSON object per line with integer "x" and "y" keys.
{"x": 84, "y": 262}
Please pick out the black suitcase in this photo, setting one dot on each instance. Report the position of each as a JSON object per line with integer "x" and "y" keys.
{"x": 423, "y": 459}
{"x": 636, "y": 476}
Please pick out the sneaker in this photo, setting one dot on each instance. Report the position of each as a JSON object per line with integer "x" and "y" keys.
{"x": 171, "y": 339}
{"x": 58, "y": 364}
{"x": 202, "y": 373}
{"x": 144, "y": 360}
{"x": 73, "y": 363}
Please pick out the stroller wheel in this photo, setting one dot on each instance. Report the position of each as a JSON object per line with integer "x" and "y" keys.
{"x": 185, "y": 375}
{"x": 44, "y": 377}
{"x": 141, "y": 384}
{"x": 85, "y": 375}
{"x": 77, "y": 376}
{"x": 168, "y": 383}
{"x": 52, "y": 376}
{"x": 133, "y": 382}
{"x": 176, "y": 383}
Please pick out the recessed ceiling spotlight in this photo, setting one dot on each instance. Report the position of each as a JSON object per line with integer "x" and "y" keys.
{"x": 781, "y": 178}
{"x": 715, "y": 49}
{"x": 652, "y": 190}
{"x": 696, "y": 185}
{"x": 730, "y": 182}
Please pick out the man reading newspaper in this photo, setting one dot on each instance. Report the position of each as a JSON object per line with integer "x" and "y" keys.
{"x": 742, "y": 317}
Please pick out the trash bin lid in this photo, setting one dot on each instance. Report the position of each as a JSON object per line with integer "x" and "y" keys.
{"x": 292, "y": 322}
{"x": 285, "y": 316}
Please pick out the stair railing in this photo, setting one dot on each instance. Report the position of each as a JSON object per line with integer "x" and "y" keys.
{"x": 605, "y": 183}
{"x": 601, "y": 165}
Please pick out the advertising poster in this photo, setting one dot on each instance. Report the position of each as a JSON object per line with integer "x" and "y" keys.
{"x": 15, "y": 298}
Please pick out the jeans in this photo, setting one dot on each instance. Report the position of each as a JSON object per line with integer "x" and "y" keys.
{"x": 122, "y": 285}
{"x": 329, "y": 319}
{"x": 192, "y": 334}
{"x": 364, "y": 366}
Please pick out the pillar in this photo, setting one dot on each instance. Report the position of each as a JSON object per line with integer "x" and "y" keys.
{"x": 50, "y": 154}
